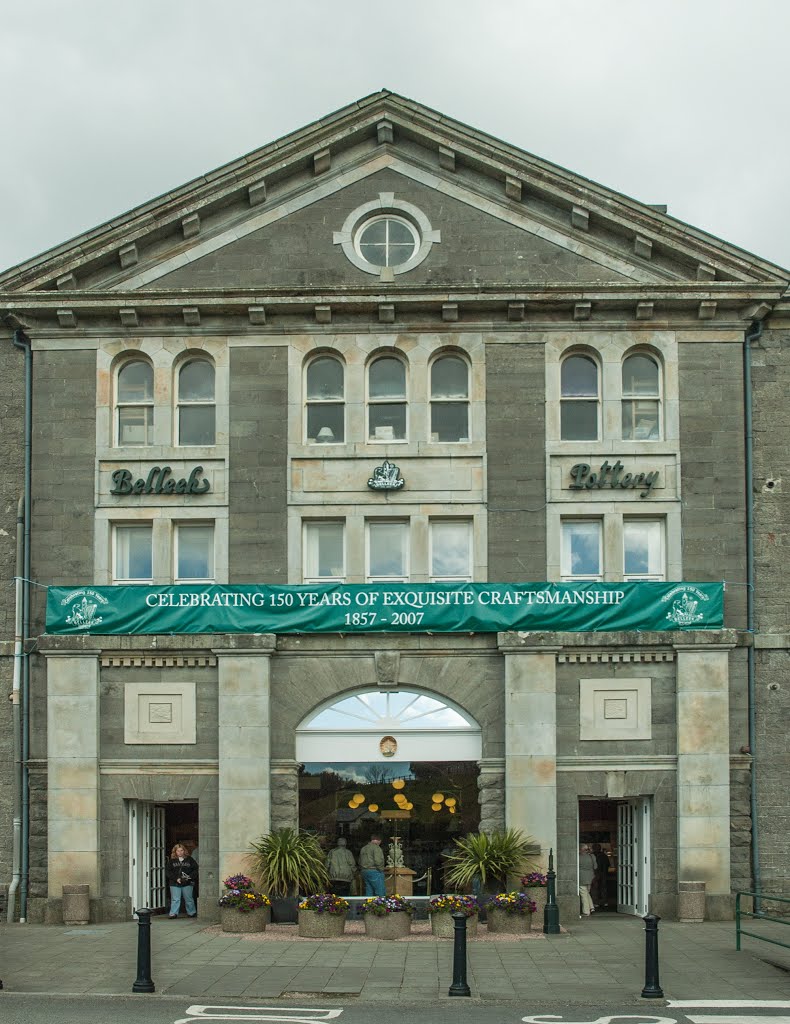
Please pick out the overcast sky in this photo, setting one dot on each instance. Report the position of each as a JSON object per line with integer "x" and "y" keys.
{"x": 107, "y": 104}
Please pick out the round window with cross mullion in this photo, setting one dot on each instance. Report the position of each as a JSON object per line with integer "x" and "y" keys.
{"x": 386, "y": 241}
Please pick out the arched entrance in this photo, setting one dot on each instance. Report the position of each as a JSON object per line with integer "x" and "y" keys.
{"x": 399, "y": 763}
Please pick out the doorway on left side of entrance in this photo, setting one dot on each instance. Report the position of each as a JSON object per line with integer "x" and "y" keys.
{"x": 154, "y": 829}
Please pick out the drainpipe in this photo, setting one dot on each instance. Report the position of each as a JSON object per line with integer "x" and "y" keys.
{"x": 16, "y": 720}
{"x": 22, "y": 341}
{"x": 753, "y": 334}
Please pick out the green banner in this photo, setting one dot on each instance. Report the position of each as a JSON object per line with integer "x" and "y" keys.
{"x": 386, "y": 608}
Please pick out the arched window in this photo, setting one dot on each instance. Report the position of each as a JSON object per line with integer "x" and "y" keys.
{"x": 325, "y": 401}
{"x": 423, "y": 727}
{"x": 449, "y": 399}
{"x": 196, "y": 411}
{"x": 134, "y": 402}
{"x": 641, "y": 398}
{"x": 387, "y": 399}
{"x": 580, "y": 399}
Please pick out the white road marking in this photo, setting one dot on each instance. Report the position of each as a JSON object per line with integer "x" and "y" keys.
{"x": 545, "y": 1018}
{"x": 729, "y": 1004}
{"x": 737, "y": 1018}
{"x": 294, "y": 1014}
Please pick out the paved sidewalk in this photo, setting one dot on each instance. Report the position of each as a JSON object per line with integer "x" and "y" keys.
{"x": 602, "y": 959}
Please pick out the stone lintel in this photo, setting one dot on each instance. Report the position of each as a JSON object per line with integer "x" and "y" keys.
{"x": 694, "y": 639}
{"x": 772, "y": 641}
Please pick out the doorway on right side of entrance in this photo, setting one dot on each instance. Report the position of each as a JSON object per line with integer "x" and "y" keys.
{"x": 621, "y": 828}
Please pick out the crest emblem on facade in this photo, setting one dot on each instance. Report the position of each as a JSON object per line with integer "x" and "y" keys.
{"x": 83, "y": 606}
{"x": 386, "y": 477}
{"x": 685, "y": 607}
{"x": 388, "y": 746}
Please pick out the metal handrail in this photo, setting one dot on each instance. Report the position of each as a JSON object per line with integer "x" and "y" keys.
{"x": 758, "y": 915}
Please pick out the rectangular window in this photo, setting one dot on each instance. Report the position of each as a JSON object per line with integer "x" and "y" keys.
{"x": 388, "y": 551}
{"x": 581, "y": 549}
{"x": 643, "y": 549}
{"x": 451, "y": 551}
{"x": 194, "y": 552}
{"x": 132, "y": 554}
{"x": 324, "y": 552}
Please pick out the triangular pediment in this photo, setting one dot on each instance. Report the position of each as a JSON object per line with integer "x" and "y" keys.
{"x": 501, "y": 216}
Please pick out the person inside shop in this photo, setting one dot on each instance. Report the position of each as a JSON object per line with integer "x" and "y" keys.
{"x": 599, "y": 890}
{"x": 371, "y": 866}
{"x": 182, "y": 875}
{"x": 586, "y": 875}
{"x": 341, "y": 866}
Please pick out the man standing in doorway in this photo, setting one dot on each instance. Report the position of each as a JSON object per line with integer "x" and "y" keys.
{"x": 371, "y": 865}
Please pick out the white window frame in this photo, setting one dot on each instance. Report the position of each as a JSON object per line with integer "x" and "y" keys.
{"x": 120, "y": 404}
{"x": 661, "y": 524}
{"x": 567, "y": 575}
{"x": 181, "y": 403}
{"x": 469, "y": 526}
{"x": 434, "y": 402}
{"x": 405, "y": 524}
{"x": 386, "y": 218}
{"x": 569, "y": 399}
{"x": 371, "y": 402}
{"x": 308, "y": 526}
{"x": 140, "y": 527}
{"x": 312, "y": 403}
{"x": 658, "y": 397}
{"x": 178, "y": 526}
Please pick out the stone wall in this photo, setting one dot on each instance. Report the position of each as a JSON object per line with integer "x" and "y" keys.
{"x": 258, "y": 465}
{"x": 515, "y": 428}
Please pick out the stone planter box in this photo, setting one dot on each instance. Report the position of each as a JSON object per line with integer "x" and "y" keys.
{"x": 538, "y": 893}
{"x": 514, "y": 924}
{"x": 233, "y": 920}
{"x": 313, "y": 925}
{"x": 389, "y": 926}
{"x": 443, "y": 926}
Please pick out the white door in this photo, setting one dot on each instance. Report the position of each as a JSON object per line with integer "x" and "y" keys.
{"x": 633, "y": 857}
{"x": 147, "y": 856}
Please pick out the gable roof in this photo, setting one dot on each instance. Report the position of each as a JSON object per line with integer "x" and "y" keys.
{"x": 638, "y": 241}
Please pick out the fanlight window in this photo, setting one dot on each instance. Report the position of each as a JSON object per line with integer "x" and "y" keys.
{"x": 397, "y": 711}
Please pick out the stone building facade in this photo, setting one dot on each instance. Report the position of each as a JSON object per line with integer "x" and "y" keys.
{"x": 555, "y": 371}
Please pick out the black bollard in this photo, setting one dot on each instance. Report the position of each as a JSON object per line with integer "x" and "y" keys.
{"x": 143, "y": 982}
{"x": 652, "y": 989}
{"x": 459, "y": 986}
{"x": 551, "y": 912}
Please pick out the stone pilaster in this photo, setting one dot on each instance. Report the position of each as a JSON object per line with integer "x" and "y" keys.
{"x": 531, "y": 740}
{"x": 491, "y": 784}
{"x": 703, "y": 773}
{"x": 285, "y": 793}
{"x": 73, "y": 771}
{"x": 244, "y": 679}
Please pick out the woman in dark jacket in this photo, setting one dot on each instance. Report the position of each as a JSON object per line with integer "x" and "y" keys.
{"x": 182, "y": 873}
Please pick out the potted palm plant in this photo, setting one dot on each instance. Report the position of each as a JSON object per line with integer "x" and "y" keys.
{"x": 286, "y": 862}
{"x": 483, "y": 861}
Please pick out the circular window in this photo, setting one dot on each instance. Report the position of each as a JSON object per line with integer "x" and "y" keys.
{"x": 386, "y": 237}
{"x": 386, "y": 241}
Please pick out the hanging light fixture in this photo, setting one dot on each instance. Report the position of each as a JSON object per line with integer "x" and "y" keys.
{"x": 398, "y": 784}
{"x": 438, "y": 798}
{"x": 436, "y": 807}
{"x": 373, "y": 808}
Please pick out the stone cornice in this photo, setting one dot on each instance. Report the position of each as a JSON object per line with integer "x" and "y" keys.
{"x": 712, "y": 306}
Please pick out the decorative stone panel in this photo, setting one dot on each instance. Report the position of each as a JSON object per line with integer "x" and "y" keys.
{"x": 615, "y": 709}
{"x": 160, "y": 714}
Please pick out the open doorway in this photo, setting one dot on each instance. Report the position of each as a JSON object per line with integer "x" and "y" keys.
{"x": 619, "y": 833}
{"x": 154, "y": 829}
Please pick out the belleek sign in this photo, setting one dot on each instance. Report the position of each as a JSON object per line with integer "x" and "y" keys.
{"x": 159, "y": 481}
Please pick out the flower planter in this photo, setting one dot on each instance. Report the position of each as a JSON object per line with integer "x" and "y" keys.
{"x": 538, "y": 893}
{"x": 388, "y": 926}
{"x": 443, "y": 926}
{"x": 501, "y": 921}
{"x": 243, "y": 922}
{"x": 313, "y": 925}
